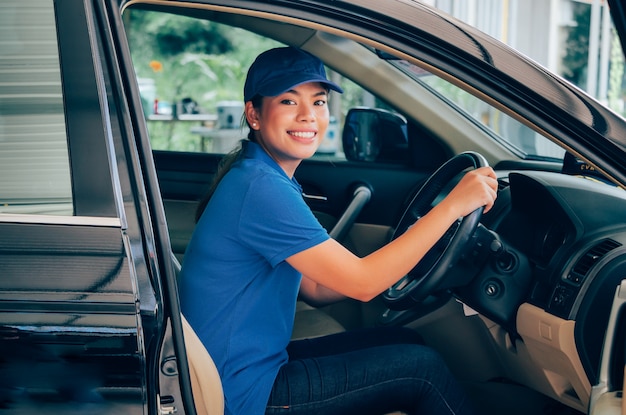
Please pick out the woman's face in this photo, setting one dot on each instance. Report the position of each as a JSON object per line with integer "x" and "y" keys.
{"x": 290, "y": 126}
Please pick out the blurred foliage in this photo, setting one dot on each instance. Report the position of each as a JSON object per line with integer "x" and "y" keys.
{"x": 199, "y": 59}
{"x": 187, "y": 57}
{"x": 616, "y": 74}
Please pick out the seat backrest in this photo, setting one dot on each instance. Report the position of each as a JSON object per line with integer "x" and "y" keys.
{"x": 206, "y": 384}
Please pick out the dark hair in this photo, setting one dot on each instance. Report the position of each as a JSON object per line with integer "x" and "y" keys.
{"x": 227, "y": 161}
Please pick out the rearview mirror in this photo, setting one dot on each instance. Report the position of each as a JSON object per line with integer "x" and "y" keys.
{"x": 374, "y": 134}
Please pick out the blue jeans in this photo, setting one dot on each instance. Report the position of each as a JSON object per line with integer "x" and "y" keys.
{"x": 372, "y": 371}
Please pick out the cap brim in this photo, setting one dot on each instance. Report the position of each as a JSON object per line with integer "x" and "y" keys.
{"x": 283, "y": 85}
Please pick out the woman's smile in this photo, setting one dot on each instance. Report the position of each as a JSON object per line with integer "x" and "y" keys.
{"x": 303, "y": 135}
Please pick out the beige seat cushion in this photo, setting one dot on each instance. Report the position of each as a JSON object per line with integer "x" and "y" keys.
{"x": 205, "y": 380}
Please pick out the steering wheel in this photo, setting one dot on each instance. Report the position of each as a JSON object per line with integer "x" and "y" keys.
{"x": 428, "y": 276}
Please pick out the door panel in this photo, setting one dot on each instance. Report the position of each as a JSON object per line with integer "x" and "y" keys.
{"x": 68, "y": 319}
{"x": 391, "y": 185}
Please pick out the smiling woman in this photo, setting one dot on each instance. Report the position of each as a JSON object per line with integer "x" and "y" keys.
{"x": 427, "y": 108}
{"x": 291, "y": 126}
{"x": 238, "y": 251}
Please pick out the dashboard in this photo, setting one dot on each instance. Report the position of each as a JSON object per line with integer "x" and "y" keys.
{"x": 564, "y": 240}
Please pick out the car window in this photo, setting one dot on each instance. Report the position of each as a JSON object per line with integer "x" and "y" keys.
{"x": 191, "y": 73}
{"x": 34, "y": 164}
{"x": 191, "y": 91}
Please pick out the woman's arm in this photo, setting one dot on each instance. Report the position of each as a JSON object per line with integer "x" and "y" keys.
{"x": 333, "y": 266}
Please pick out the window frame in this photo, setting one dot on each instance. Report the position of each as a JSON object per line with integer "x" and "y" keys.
{"x": 88, "y": 149}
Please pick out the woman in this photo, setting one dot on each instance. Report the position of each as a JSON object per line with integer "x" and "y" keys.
{"x": 257, "y": 245}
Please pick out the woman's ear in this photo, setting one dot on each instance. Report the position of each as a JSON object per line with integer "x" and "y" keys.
{"x": 252, "y": 116}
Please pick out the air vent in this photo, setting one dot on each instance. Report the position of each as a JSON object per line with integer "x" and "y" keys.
{"x": 589, "y": 259}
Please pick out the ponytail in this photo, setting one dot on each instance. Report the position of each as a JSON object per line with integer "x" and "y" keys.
{"x": 227, "y": 162}
{"x": 223, "y": 167}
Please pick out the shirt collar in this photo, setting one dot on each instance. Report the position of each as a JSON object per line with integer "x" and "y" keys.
{"x": 253, "y": 150}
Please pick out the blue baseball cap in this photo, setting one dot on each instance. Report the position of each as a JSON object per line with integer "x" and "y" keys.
{"x": 278, "y": 70}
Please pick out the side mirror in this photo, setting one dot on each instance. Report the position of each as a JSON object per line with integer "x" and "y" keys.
{"x": 374, "y": 134}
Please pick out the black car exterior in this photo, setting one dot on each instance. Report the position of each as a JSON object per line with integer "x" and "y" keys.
{"x": 89, "y": 313}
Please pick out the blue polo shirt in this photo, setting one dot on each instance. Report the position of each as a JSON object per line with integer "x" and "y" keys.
{"x": 236, "y": 289}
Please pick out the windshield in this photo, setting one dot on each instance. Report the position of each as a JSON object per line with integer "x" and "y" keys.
{"x": 514, "y": 135}
{"x": 577, "y": 41}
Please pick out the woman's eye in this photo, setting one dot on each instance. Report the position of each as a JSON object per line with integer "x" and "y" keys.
{"x": 287, "y": 102}
{"x": 320, "y": 102}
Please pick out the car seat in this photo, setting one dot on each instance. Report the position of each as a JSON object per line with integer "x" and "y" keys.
{"x": 206, "y": 384}
{"x": 205, "y": 380}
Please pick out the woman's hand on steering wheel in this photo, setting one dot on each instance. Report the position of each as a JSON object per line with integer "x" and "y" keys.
{"x": 478, "y": 188}
{"x": 475, "y": 192}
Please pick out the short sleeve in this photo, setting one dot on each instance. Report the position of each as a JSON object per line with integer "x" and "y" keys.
{"x": 275, "y": 220}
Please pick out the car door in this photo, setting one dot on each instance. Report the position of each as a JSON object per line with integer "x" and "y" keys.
{"x": 81, "y": 307}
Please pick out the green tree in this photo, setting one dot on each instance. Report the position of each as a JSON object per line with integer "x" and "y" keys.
{"x": 189, "y": 58}
{"x": 173, "y": 50}
{"x": 197, "y": 58}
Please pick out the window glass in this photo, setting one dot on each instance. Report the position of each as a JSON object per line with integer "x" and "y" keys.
{"x": 191, "y": 74}
{"x": 34, "y": 164}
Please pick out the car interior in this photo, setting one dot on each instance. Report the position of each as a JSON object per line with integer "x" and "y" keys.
{"x": 520, "y": 320}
